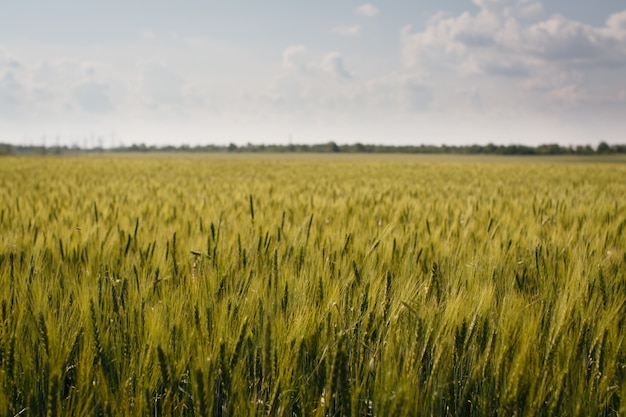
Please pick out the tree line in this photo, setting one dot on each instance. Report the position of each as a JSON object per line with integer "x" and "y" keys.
{"x": 602, "y": 148}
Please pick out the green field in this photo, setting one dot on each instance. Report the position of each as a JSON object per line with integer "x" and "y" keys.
{"x": 312, "y": 286}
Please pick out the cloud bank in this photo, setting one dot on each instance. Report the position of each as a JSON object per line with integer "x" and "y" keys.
{"x": 368, "y": 10}
{"x": 505, "y": 71}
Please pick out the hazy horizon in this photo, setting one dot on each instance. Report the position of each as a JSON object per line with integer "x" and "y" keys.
{"x": 396, "y": 72}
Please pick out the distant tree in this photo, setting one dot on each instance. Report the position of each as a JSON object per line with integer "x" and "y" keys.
{"x": 603, "y": 148}
{"x": 583, "y": 150}
{"x": 359, "y": 147}
{"x": 5, "y": 149}
{"x": 332, "y": 147}
{"x": 550, "y": 149}
{"x": 490, "y": 148}
{"x": 138, "y": 148}
{"x": 618, "y": 148}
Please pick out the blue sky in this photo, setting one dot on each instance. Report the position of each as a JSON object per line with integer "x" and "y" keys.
{"x": 397, "y": 72}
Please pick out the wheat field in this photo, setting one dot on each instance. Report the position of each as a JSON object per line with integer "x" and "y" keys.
{"x": 312, "y": 286}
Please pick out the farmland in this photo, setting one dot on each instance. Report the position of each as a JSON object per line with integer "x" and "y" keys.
{"x": 312, "y": 286}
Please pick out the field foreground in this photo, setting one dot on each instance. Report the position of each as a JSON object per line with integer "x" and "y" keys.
{"x": 311, "y": 287}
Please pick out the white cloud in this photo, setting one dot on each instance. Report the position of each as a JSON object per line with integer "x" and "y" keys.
{"x": 333, "y": 64}
{"x": 294, "y": 57}
{"x": 530, "y": 9}
{"x": 350, "y": 31}
{"x": 561, "y": 40}
{"x": 616, "y": 25}
{"x": 313, "y": 88}
{"x": 525, "y": 9}
{"x": 14, "y": 89}
{"x": 92, "y": 97}
{"x": 297, "y": 59}
{"x": 11, "y": 93}
{"x": 416, "y": 97}
{"x": 368, "y": 10}
{"x": 515, "y": 58}
{"x": 552, "y": 39}
{"x": 8, "y": 62}
{"x": 159, "y": 86}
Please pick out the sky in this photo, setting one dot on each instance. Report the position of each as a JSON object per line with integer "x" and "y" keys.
{"x": 164, "y": 72}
